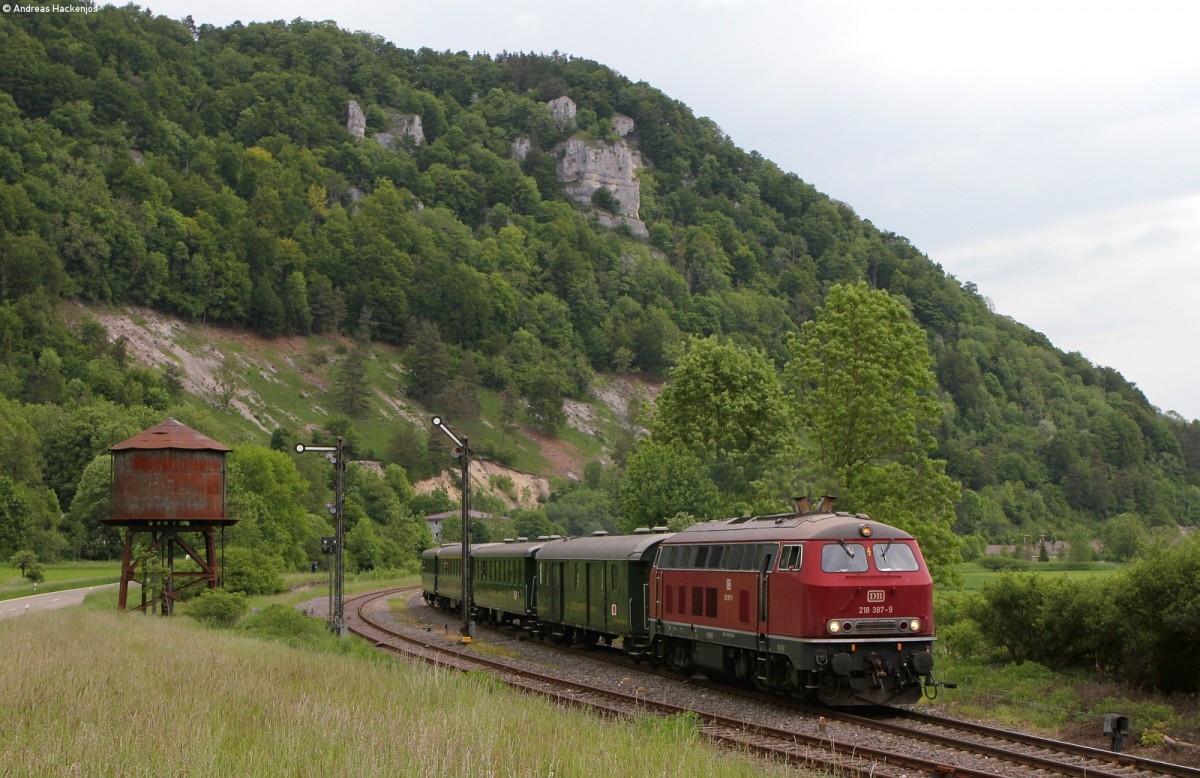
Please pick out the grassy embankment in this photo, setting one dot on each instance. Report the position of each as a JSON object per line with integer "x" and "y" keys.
{"x": 122, "y": 694}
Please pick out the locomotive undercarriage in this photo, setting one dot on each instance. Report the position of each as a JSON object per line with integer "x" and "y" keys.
{"x": 836, "y": 676}
{"x": 834, "y": 672}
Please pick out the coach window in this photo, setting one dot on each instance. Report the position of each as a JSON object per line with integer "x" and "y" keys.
{"x": 894, "y": 558}
{"x": 791, "y": 558}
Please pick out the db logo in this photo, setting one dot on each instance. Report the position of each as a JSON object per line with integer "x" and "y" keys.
{"x": 875, "y": 595}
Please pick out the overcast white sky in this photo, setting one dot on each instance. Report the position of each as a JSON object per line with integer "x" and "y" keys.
{"x": 1047, "y": 151}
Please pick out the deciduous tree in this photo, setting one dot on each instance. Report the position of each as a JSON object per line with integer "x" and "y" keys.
{"x": 724, "y": 405}
{"x": 662, "y": 480}
{"x": 865, "y": 403}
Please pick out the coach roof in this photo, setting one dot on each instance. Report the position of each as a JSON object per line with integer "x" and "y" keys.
{"x": 507, "y": 550}
{"x": 606, "y": 548}
{"x": 454, "y": 550}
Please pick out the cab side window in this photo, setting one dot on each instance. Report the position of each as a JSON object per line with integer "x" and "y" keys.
{"x": 791, "y": 558}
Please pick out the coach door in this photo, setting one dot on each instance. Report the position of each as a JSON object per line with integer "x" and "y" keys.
{"x": 597, "y": 596}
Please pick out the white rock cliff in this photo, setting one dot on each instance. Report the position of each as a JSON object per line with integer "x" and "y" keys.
{"x": 585, "y": 165}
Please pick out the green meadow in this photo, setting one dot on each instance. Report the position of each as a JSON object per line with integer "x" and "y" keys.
{"x": 59, "y": 576}
{"x": 975, "y": 576}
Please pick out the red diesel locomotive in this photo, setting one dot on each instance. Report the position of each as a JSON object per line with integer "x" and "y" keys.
{"x": 830, "y": 603}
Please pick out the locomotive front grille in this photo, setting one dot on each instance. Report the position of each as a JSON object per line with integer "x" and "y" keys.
{"x": 875, "y": 627}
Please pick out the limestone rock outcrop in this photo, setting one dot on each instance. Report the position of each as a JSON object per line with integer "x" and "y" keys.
{"x": 622, "y": 124}
{"x": 521, "y": 146}
{"x": 585, "y": 165}
{"x": 563, "y": 111}
{"x": 401, "y": 125}
{"x": 356, "y": 120}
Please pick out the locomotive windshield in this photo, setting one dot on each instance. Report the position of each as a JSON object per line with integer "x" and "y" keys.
{"x": 842, "y": 557}
{"x": 894, "y": 558}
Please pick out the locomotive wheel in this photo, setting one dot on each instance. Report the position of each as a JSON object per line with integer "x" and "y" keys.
{"x": 743, "y": 667}
{"x": 681, "y": 655}
{"x": 828, "y": 687}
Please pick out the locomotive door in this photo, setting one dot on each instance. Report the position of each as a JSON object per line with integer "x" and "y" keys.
{"x": 657, "y": 613}
{"x": 766, "y": 560}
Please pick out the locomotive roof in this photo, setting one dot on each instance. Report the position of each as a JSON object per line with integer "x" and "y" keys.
{"x": 609, "y": 547}
{"x": 788, "y": 526}
{"x": 507, "y": 550}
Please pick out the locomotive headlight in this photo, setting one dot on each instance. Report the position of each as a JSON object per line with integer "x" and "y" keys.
{"x": 833, "y": 627}
{"x": 915, "y": 625}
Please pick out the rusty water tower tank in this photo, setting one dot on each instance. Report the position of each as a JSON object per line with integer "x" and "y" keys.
{"x": 170, "y": 472}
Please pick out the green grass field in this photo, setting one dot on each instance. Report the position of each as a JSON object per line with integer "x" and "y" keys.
{"x": 64, "y": 575}
{"x": 975, "y": 576}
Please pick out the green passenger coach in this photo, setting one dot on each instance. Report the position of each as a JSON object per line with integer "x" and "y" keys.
{"x": 442, "y": 574}
{"x": 503, "y": 582}
{"x": 594, "y": 588}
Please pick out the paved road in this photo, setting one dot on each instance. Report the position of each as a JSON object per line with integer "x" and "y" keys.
{"x": 45, "y": 602}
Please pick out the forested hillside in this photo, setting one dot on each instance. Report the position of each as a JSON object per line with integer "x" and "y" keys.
{"x": 210, "y": 174}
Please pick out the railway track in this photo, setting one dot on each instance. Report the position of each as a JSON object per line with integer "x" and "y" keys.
{"x": 1034, "y": 752}
{"x": 1074, "y": 759}
{"x": 954, "y": 742}
{"x": 773, "y": 743}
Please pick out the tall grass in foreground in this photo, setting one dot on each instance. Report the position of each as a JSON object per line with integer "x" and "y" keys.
{"x": 96, "y": 693}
